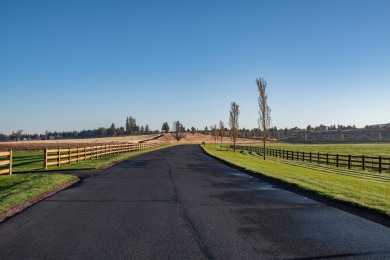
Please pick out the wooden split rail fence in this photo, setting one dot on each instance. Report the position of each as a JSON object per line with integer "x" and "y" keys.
{"x": 67, "y": 156}
{"x": 6, "y": 162}
{"x": 377, "y": 164}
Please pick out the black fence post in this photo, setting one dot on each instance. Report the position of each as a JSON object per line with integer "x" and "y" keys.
{"x": 349, "y": 161}
{"x": 327, "y": 159}
{"x": 318, "y": 158}
{"x": 380, "y": 164}
{"x": 363, "y": 162}
{"x": 337, "y": 160}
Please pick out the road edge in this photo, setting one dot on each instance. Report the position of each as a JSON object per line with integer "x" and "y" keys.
{"x": 352, "y": 208}
{"x": 20, "y": 207}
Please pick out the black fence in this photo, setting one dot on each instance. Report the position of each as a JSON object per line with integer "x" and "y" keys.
{"x": 377, "y": 164}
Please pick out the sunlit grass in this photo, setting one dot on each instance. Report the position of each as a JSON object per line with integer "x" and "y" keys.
{"x": 19, "y": 187}
{"x": 33, "y": 161}
{"x": 373, "y": 194}
{"x": 358, "y": 149}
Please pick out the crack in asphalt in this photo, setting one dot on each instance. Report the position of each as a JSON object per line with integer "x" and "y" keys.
{"x": 204, "y": 249}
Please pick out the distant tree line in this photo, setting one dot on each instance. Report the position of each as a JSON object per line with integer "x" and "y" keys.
{"x": 131, "y": 128}
{"x": 382, "y": 126}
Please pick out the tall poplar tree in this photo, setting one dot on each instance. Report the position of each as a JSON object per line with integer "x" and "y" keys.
{"x": 221, "y": 130}
{"x": 264, "y": 111}
{"x": 233, "y": 123}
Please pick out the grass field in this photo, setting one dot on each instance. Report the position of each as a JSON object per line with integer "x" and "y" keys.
{"x": 358, "y": 149}
{"x": 19, "y": 187}
{"x": 33, "y": 161}
{"x": 369, "y": 193}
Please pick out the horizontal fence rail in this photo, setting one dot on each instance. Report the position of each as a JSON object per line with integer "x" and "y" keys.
{"x": 6, "y": 162}
{"x": 376, "y": 164}
{"x": 67, "y": 156}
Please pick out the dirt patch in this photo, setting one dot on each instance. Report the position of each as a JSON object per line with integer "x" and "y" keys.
{"x": 4, "y": 215}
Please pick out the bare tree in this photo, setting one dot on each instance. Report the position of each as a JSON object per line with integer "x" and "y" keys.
{"x": 17, "y": 135}
{"x": 179, "y": 130}
{"x": 215, "y": 134}
{"x": 221, "y": 130}
{"x": 233, "y": 123}
{"x": 264, "y": 112}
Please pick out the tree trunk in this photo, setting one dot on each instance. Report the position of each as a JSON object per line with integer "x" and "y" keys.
{"x": 264, "y": 148}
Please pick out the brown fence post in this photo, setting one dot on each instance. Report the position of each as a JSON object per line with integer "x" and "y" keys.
{"x": 10, "y": 162}
{"x": 363, "y": 163}
{"x": 45, "y": 159}
{"x": 69, "y": 156}
{"x": 58, "y": 157}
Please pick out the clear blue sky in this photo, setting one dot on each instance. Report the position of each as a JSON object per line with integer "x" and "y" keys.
{"x": 74, "y": 65}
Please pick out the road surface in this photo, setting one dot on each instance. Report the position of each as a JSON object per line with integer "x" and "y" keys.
{"x": 178, "y": 203}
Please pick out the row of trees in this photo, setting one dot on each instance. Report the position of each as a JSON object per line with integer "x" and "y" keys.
{"x": 131, "y": 128}
{"x": 331, "y": 127}
{"x": 264, "y": 119}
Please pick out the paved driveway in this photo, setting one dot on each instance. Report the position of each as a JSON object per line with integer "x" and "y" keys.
{"x": 178, "y": 203}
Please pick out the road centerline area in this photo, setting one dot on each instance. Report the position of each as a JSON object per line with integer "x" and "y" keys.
{"x": 179, "y": 203}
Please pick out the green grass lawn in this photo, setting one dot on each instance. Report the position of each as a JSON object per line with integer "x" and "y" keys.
{"x": 33, "y": 161}
{"x": 372, "y": 194}
{"x": 358, "y": 149}
{"x": 19, "y": 187}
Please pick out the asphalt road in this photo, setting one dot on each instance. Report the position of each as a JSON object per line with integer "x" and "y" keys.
{"x": 178, "y": 203}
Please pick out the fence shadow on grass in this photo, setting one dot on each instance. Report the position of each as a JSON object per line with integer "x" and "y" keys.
{"x": 383, "y": 177}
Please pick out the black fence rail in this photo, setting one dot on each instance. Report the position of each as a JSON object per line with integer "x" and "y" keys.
{"x": 376, "y": 164}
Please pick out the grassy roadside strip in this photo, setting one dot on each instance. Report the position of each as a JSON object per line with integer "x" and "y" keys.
{"x": 17, "y": 188}
{"x": 369, "y": 194}
{"x": 24, "y": 162}
{"x": 20, "y": 191}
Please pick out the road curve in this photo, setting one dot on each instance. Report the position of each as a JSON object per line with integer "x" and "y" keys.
{"x": 178, "y": 203}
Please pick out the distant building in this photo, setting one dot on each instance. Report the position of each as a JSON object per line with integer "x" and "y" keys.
{"x": 323, "y": 128}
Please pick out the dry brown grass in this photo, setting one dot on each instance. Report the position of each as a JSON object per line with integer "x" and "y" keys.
{"x": 169, "y": 138}
{"x": 70, "y": 143}
{"x": 198, "y": 138}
